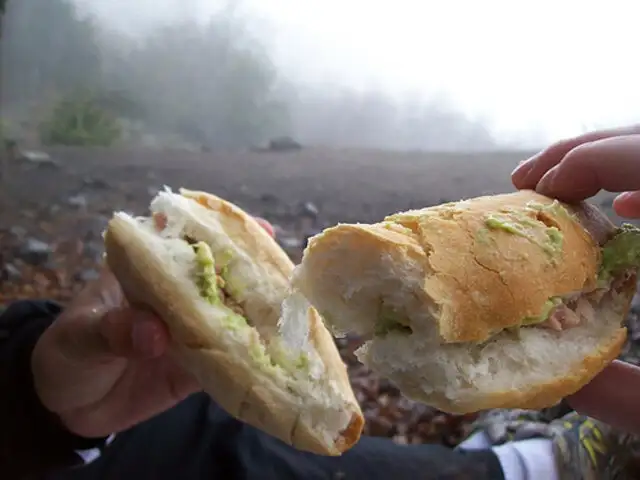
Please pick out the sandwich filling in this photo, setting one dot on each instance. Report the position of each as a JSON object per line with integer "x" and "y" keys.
{"x": 209, "y": 276}
{"x": 620, "y": 260}
{"x": 212, "y": 277}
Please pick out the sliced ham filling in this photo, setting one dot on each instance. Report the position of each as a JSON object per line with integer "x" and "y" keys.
{"x": 578, "y": 308}
{"x": 568, "y": 315}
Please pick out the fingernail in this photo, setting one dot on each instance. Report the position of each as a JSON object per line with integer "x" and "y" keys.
{"x": 545, "y": 185}
{"x": 145, "y": 339}
{"x": 523, "y": 168}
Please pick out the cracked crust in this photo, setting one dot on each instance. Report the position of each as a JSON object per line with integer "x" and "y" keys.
{"x": 475, "y": 274}
{"x": 225, "y": 368}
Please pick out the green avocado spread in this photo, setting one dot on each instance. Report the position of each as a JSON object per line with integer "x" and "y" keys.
{"x": 555, "y": 208}
{"x": 210, "y": 284}
{"x": 277, "y": 356}
{"x": 549, "y": 238}
{"x": 298, "y": 363}
{"x": 621, "y": 252}
{"x": 548, "y": 306}
{"x": 206, "y": 272}
{"x": 259, "y": 355}
{"x": 234, "y": 321}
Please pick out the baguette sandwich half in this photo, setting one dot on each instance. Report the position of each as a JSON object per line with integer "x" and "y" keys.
{"x": 503, "y": 301}
{"x": 218, "y": 280}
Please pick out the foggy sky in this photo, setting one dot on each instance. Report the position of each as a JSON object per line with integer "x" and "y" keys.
{"x": 557, "y": 67}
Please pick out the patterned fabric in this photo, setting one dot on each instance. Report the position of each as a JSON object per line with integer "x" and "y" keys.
{"x": 585, "y": 449}
{"x": 503, "y": 426}
{"x": 590, "y": 450}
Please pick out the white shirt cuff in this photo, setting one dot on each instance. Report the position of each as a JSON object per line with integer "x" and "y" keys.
{"x": 92, "y": 454}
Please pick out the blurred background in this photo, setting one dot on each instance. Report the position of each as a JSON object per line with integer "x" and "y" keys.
{"x": 306, "y": 113}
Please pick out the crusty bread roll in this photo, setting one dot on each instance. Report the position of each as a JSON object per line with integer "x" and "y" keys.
{"x": 497, "y": 301}
{"x": 228, "y": 336}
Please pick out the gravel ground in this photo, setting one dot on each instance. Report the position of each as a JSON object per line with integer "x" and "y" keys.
{"x": 53, "y": 209}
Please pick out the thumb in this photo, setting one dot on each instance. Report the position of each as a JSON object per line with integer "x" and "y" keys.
{"x": 84, "y": 353}
{"x": 121, "y": 332}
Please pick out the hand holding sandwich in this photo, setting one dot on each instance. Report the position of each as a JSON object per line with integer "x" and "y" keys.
{"x": 501, "y": 301}
{"x": 103, "y": 366}
{"x": 574, "y": 170}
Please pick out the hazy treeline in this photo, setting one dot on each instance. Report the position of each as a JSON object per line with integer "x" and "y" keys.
{"x": 212, "y": 85}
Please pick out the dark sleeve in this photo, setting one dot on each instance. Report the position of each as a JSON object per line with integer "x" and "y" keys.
{"x": 32, "y": 441}
{"x": 377, "y": 459}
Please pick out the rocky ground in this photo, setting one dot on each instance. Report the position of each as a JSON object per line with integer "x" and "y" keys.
{"x": 54, "y": 206}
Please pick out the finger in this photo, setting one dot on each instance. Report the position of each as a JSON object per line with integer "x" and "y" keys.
{"x": 123, "y": 332}
{"x": 612, "y": 164}
{"x": 150, "y": 337}
{"x": 133, "y": 333}
{"x": 627, "y": 204}
{"x": 528, "y": 173}
{"x": 612, "y": 397}
{"x": 156, "y": 385}
{"x": 105, "y": 291}
{"x": 266, "y": 225}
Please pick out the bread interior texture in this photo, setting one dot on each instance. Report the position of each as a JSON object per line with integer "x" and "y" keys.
{"x": 462, "y": 376}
